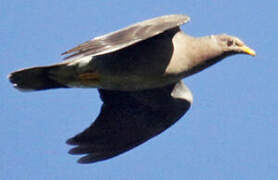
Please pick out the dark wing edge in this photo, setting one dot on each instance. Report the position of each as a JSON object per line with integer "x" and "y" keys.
{"x": 128, "y": 119}
{"x": 128, "y": 36}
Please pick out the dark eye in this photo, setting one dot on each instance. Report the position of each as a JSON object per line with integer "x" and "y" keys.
{"x": 230, "y": 42}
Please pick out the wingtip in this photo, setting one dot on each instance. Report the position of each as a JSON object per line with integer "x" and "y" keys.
{"x": 73, "y": 151}
{"x": 187, "y": 18}
{"x": 66, "y": 52}
{"x": 87, "y": 160}
{"x": 184, "y": 19}
{"x": 71, "y": 141}
{"x": 83, "y": 161}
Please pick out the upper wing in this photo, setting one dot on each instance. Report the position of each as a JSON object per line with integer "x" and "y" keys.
{"x": 125, "y": 37}
{"x": 128, "y": 119}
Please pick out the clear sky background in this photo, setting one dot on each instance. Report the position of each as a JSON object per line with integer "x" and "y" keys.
{"x": 230, "y": 132}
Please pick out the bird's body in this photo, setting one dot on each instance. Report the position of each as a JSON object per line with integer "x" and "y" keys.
{"x": 138, "y": 72}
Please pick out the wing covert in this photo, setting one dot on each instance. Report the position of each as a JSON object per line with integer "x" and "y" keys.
{"x": 127, "y": 36}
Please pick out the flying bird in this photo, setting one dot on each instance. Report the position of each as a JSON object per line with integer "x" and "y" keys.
{"x": 138, "y": 71}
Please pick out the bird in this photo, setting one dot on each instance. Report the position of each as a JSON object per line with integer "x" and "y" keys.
{"x": 138, "y": 71}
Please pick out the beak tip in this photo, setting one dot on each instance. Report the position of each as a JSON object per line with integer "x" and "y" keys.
{"x": 248, "y": 51}
{"x": 253, "y": 53}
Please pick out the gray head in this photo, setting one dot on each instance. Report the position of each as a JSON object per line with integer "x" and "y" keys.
{"x": 232, "y": 45}
{"x": 209, "y": 50}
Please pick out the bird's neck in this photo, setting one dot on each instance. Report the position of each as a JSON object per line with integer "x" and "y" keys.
{"x": 192, "y": 55}
{"x": 203, "y": 52}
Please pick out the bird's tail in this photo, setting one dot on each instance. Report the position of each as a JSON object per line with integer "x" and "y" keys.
{"x": 35, "y": 78}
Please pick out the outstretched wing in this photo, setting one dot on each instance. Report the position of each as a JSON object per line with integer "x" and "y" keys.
{"x": 128, "y": 36}
{"x": 127, "y": 119}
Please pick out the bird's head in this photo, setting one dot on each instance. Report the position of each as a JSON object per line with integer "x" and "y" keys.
{"x": 233, "y": 45}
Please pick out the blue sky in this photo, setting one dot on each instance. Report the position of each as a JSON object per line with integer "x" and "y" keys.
{"x": 230, "y": 132}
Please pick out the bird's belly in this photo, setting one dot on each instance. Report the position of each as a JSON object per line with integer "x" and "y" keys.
{"x": 125, "y": 79}
{"x": 133, "y": 82}
{"x": 137, "y": 76}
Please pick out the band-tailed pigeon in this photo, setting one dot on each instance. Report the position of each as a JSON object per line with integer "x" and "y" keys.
{"x": 138, "y": 71}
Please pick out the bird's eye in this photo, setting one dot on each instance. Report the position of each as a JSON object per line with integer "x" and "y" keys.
{"x": 230, "y": 43}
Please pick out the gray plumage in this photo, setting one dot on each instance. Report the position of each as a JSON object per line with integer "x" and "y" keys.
{"x": 128, "y": 36}
{"x": 138, "y": 72}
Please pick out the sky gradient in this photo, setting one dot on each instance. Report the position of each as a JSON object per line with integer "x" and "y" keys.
{"x": 230, "y": 132}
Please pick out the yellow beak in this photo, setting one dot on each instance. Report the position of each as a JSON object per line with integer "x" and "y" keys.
{"x": 247, "y": 50}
